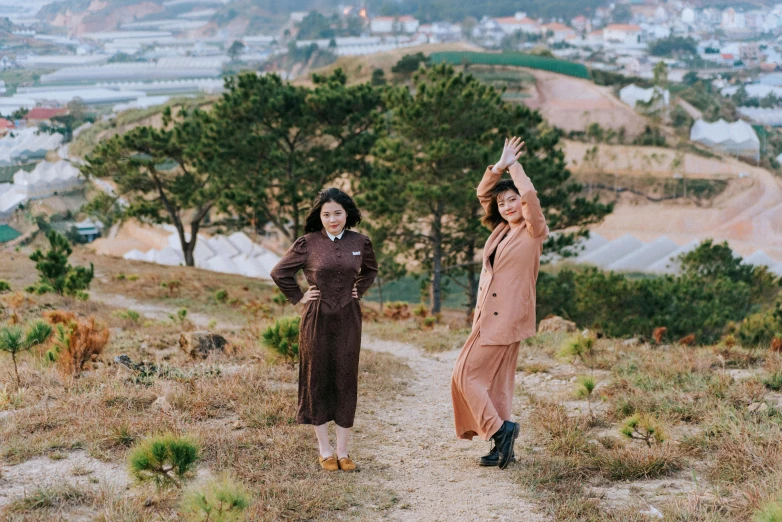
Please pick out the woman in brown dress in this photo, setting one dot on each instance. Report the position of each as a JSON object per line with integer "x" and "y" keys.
{"x": 482, "y": 382}
{"x": 339, "y": 266}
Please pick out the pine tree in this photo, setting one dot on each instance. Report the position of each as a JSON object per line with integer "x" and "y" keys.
{"x": 56, "y": 274}
{"x": 281, "y": 143}
{"x": 167, "y": 175}
{"x": 440, "y": 137}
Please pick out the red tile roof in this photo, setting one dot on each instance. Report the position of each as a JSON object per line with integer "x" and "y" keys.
{"x": 512, "y": 20}
{"x": 624, "y": 27}
{"x": 6, "y": 124}
{"x": 556, "y": 27}
{"x": 45, "y": 113}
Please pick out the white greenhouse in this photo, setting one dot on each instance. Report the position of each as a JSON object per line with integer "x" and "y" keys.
{"x": 632, "y": 94}
{"x": 737, "y": 138}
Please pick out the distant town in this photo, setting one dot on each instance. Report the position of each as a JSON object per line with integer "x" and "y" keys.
{"x": 66, "y": 66}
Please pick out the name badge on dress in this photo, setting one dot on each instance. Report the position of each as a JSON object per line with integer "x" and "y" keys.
{"x": 356, "y": 253}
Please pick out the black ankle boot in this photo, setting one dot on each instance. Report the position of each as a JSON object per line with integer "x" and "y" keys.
{"x": 503, "y": 442}
{"x": 493, "y": 457}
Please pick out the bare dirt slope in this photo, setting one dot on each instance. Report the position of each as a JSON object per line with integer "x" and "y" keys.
{"x": 572, "y": 104}
{"x": 748, "y": 214}
{"x": 359, "y": 68}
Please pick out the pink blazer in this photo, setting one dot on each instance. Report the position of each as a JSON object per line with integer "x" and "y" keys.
{"x": 505, "y": 311}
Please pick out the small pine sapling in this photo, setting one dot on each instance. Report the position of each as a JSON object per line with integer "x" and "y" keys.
{"x": 166, "y": 460}
{"x": 217, "y": 501}
{"x": 14, "y": 340}
{"x": 280, "y": 300}
{"x": 180, "y": 316}
{"x": 586, "y": 385}
{"x": 221, "y": 295}
{"x": 643, "y": 427}
{"x": 283, "y": 338}
{"x": 582, "y": 347}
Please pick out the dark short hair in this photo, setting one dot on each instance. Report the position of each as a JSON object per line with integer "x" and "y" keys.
{"x": 313, "y": 223}
{"x": 493, "y": 217}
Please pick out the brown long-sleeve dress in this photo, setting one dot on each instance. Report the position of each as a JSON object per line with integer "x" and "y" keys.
{"x": 483, "y": 376}
{"x": 330, "y": 333}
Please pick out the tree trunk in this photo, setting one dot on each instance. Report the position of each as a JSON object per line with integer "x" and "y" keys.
{"x": 187, "y": 246}
{"x": 472, "y": 289}
{"x": 437, "y": 263}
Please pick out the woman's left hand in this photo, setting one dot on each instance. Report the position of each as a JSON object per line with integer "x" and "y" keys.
{"x": 355, "y": 293}
{"x": 511, "y": 152}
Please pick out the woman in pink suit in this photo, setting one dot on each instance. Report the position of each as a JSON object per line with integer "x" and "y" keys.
{"x": 483, "y": 378}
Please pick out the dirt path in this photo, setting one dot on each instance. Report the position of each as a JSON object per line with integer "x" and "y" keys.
{"x": 434, "y": 474}
{"x": 160, "y": 312}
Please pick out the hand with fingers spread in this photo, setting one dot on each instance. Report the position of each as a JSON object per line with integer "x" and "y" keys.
{"x": 312, "y": 294}
{"x": 511, "y": 152}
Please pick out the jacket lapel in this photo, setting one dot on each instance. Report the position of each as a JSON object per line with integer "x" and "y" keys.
{"x": 492, "y": 243}
{"x": 502, "y": 246}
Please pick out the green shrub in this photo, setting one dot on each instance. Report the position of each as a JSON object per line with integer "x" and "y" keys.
{"x": 221, "y": 295}
{"x": 180, "y": 316}
{"x": 773, "y": 381}
{"x": 283, "y": 338}
{"x": 130, "y": 315}
{"x": 279, "y": 299}
{"x": 771, "y": 512}
{"x": 4, "y": 286}
{"x": 760, "y": 329}
{"x": 166, "y": 460}
{"x": 714, "y": 289}
{"x": 217, "y": 501}
{"x": 55, "y": 274}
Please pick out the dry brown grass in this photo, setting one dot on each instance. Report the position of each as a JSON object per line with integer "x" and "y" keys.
{"x": 722, "y": 445}
{"x": 239, "y": 406}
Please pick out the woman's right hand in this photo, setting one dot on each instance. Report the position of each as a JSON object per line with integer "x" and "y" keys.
{"x": 312, "y": 294}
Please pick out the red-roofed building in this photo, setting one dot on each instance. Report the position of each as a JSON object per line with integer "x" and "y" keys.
{"x": 558, "y": 32}
{"x": 44, "y": 114}
{"x": 580, "y": 23}
{"x": 5, "y": 126}
{"x": 622, "y": 33}
{"x": 512, "y": 24}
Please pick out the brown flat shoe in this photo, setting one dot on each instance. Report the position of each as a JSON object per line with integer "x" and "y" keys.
{"x": 329, "y": 463}
{"x": 346, "y": 464}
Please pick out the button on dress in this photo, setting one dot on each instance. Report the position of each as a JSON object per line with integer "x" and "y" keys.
{"x": 330, "y": 333}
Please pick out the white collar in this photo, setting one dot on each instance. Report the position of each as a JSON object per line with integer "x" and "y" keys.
{"x": 332, "y": 237}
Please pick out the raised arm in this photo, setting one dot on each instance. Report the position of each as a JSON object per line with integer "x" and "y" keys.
{"x": 368, "y": 269}
{"x": 511, "y": 152}
{"x": 530, "y": 204}
{"x": 284, "y": 273}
